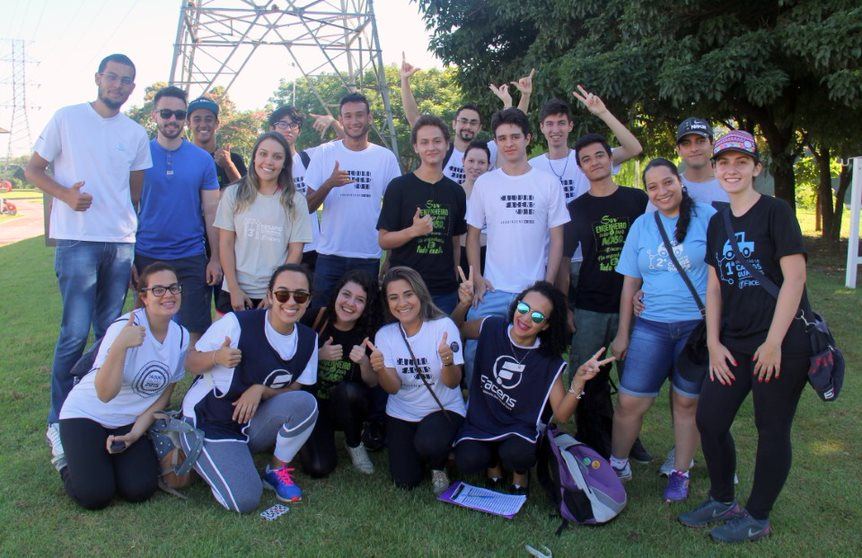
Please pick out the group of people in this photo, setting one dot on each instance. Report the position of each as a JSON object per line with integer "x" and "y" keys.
{"x": 496, "y": 268}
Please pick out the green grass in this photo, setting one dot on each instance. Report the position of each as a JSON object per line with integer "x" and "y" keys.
{"x": 351, "y": 515}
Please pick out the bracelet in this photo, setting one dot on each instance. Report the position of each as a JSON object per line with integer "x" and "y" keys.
{"x": 450, "y": 363}
{"x": 579, "y": 396}
{"x": 214, "y": 361}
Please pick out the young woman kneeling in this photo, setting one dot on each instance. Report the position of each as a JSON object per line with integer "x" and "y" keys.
{"x": 102, "y": 421}
{"x": 247, "y": 399}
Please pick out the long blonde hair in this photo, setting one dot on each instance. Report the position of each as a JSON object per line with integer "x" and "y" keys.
{"x": 248, "y": 186}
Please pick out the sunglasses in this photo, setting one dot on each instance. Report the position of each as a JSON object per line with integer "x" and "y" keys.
{"x": 301, "y": 297}
{"x": 535, "y": 315}
{"x": 167, "y": 113}
{"x": 160, "y": 290}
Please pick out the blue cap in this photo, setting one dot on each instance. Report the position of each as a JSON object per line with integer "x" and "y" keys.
{"x": 203, "y": 103}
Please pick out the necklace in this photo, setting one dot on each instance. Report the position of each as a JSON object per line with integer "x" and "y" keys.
{"x": 514, "y": 350}
{"x": 566, "y": 166}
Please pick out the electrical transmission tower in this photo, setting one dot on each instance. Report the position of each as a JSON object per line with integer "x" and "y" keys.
{"x": 217, "y": 38}
{"x": 15, "y": 75}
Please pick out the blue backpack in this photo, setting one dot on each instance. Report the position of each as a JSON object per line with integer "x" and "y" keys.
{"x": 580, "y": 482}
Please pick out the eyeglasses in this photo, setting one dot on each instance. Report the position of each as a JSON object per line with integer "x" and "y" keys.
{"x": 112, "y": 78}
{"x": 178, "y": 114}
{"x": 465, "y": 122}
{"x": 284, "y": 125}
{"x": 283, "y": 295}
{"x": 535, "y": 315}
{"x": 160, "y": 290}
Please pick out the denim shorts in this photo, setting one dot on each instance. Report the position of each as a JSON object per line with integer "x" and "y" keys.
{"x": 651, "y": 358}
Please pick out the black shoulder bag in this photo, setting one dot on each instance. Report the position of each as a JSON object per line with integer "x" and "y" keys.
{"x": 826, "y": 368}
{"x": 422, "y": 375}
{"x": 693, "y": 361}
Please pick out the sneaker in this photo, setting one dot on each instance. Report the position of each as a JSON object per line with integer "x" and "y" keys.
{"x": 494, "y": 483}
{"x": 677, "y": 487}
{"x": 639, "y": 453}
{"x": 360, "y": 459}
{"x": 518, "y": 490}
{"x": 710, "y": 511}
{"x": 624, "y": 473}
{"x": 374, "y": 436}
{"x": 742, "y": 528}
{"x": 282, "y": 483}
{"x": 439, "y": 481}
{"x": 58, "y": 456}
{"x": 670, "y": 462}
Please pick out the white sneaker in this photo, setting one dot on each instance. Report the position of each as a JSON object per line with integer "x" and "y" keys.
{"x": 624, "y": 474}
{"x": 668, "y": 466}
{"x": 440, "y": 481}
{"x": 360, "y": 459}
{"x": 58, "y": 456}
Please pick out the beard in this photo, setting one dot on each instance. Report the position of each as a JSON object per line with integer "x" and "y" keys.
{"x": 171, "y": 133}
{"x": 466, "y": 135}
{"x": 361, "y": 134}
{"x": 110, "y": 103}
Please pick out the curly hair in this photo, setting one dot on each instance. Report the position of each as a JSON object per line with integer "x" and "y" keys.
{"x": 369, "y": 321}
{"x": 553, "y": 338}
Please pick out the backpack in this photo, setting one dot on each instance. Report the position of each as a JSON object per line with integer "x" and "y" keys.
{"x": 579, "y": 481}
{"x": 305, "y": 158}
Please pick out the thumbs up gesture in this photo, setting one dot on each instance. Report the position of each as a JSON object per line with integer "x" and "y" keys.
{"x": 445, "y": 350}
{"x": 227, "y": 356}
{"x": 76, "y": 199}
{"x": 338, "y": 177}
{"x": 131, "y": 335}
{"x": 328, "y": 351}
{"x": 358, "y": 354}
{"x": 421, "y": 225}
{"x": 376, "y": 357}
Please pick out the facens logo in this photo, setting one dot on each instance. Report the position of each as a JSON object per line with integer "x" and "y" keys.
{"x": 507, "y": 372}
{"x": 278, "y": 379}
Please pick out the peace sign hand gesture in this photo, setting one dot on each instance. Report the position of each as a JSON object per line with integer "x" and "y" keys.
{"x": 592, "y": 102}
{"x": 502, "y": 93}
{"x": 588, "y": 370}
{"x": 466, "y": 288}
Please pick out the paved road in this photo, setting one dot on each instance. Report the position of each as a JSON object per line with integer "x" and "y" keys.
{"x": 29, "y": 223}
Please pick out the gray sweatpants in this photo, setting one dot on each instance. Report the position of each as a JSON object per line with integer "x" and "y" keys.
{"x": 284, "y": 421}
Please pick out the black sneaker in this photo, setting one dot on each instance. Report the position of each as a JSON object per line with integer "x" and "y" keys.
{"x": 374, "y": 436}
{"x": 709, "y": 512}
{"x": 639, "y": 453}
{"x": 741, "y": 529}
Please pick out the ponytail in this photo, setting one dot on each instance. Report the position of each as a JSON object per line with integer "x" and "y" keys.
{"x": 686, "y": 210}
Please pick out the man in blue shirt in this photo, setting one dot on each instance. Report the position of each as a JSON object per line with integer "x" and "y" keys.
{"x": 178, "y": 206}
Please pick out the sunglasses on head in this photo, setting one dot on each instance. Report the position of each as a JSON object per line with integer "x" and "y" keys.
{"x": 283, "y": 295}
{"x": 167, "y": 113}
{"x": 160, "y": 290}
{"x": 535, "y": 315}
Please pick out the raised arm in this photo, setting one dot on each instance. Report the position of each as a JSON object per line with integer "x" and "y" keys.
{"x": 411, "y": 110}
{"x": 525, "y": 86}
{"x": 629, "y": 144}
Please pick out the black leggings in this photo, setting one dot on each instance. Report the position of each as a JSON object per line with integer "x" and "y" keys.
{"x": 93, "y": 476}
{"x": 412, "y": 443}
{"x": 774, "y": 406}
{"x": 345, "y": 410}
{"x": 513, "y": 453}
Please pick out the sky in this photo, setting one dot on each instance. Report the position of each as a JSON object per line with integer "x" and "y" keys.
{"x": 66, "y": 39}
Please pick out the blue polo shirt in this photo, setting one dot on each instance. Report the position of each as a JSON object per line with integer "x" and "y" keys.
{"x": 170, "y": 222}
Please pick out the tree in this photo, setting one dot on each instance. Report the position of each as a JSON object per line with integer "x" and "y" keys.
{"x": 771, "y": 66}
{"x": 437, "y": 92}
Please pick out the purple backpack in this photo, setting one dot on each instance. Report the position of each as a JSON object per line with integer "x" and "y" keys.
{"x": 579, "y": 481}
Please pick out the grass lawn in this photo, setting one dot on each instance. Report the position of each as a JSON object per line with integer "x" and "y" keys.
{"x": 819, "y": 512}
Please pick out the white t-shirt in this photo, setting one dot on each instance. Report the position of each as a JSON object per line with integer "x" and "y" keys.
{"x": 263, "y": 232}
{"x": 571, "y": 177}
{"x": 701, "y": 192}
{"x": 147, "y": 371}
{"x": 101, "y": 152}
{"x": 350, "y": 212}
{"x": 519, "y": 211}
{"x": 299, "y": 181}
{"x": 212, "y": 340}
{"x": 413, "y": 402}
{"x": 455, "y": 166}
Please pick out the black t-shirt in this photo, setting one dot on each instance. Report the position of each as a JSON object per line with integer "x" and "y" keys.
{"x": 332, "y": 372}
{"x": 765, "y": 233}
{"x": 223, "y": 180}
{"x": 431, "y": 255}
{"x": 600, "y": 225}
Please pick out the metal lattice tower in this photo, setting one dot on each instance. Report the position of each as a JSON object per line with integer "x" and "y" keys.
{"x": 216, "y": 39}
{"x": 15, "y": 60}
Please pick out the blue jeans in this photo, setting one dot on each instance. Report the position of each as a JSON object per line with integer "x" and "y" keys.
{"x": 329, "y": 269}
{"x": 93, "y": 279}
{"x": 494, "y": 303}
{"x": 651, "y": 358}
{"x": 446, "y": 302}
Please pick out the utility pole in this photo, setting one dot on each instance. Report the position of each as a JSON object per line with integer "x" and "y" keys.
{"x": 216, "y": 39}
{"x": 16, "y": 63}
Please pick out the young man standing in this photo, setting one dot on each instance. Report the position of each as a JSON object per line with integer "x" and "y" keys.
{"x": 600, "y": 221}
{"x": 203, "y": 123}
{"x": 422, "y": 218}
{"x": 179, "y": 188}
{"x": 524, "y": 212}
{"x": 694, "y": 143}
{"x": 99, "y": 157}
{"x": 556, "y": 124}
{"x": 351, "y": 175}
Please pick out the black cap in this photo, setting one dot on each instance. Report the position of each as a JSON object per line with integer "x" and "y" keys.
{"x": 694, "y": 125}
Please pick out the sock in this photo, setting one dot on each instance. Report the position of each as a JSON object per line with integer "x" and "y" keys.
{"x": 683, "y": 473}
{"x": 618, "y": 463}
